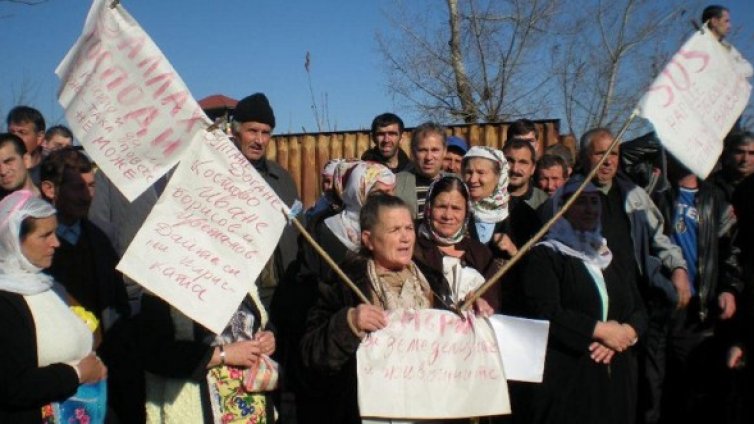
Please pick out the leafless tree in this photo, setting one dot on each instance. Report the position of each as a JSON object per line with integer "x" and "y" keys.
{"x": 609, "y": 51}
{"x": 475, "y": 60}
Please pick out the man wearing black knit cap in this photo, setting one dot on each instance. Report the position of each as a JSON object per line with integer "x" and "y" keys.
{"x": 253, "y": 122}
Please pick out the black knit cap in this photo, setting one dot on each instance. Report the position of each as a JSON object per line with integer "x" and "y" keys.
{"x": 254, "y": 108}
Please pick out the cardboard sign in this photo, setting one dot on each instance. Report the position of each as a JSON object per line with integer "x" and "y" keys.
{"x": 210, "y": 234}
{"x": 124, "y": 101}
{"x": 696, "y": 100}
{"x": 431, "y": 364}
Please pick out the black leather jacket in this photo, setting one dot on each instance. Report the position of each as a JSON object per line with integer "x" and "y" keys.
{"x": 718, "y": 267}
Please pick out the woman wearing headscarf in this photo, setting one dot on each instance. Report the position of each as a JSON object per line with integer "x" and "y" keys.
{"x": 387, "y": 275}
{"x": 595, "y": 317}
{"x": 443, "y": 242}
{"x": 485, "y": 172}
{"x": 340, "y": 233}
{"x": 493, "y": 223}
{"x": 327, "y": 203}
{"x": 46, "y": 350}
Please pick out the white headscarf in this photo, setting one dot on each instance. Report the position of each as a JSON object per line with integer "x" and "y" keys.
{"x": 17, "y": 274}
{"x": 356, "y": 186}
{"x": 493, "y": 208}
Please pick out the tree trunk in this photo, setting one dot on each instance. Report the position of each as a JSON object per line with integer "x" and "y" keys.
{"x": 463, "y": 86}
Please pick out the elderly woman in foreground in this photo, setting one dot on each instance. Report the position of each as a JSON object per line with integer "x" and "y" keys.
{"x": 596, "y": 317}
{"x": 388, "y": 276}
{"x": 45, "y": 349}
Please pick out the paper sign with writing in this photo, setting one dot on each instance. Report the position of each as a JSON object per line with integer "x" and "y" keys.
{"x": 124, "y": 101}
{"x": 210, "y": 234}
{"x": 696, "y": 100}
{"x": 431, "y": 364}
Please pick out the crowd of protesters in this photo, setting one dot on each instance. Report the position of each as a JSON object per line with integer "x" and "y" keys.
{"x": 648, "y": 287}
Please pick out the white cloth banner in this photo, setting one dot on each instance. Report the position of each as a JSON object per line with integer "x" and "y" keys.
{"x": 431, "y": 364}
{"x": 696, "y": 100}
{"x": 523, "y": 346}
{"x": 124, "y": 101}
{"x": 210, "y": 234}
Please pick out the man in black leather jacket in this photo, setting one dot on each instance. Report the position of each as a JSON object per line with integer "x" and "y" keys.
{"x": 697, "y": 218}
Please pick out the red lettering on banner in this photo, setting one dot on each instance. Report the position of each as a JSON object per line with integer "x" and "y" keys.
{"x": 698, "y": 55}
{"x": 133, "y": 44}
{"x": 197, "y": 117}
{"x": 169, "y": 147}
{"x": 144, "y": 122}
{"x": 152, "y": 63}
{"x": 178, "y": 100}
{"x": 680, "y": 82}
{"x": 130, "y": 95}
{"x": 120, "y": 76}
{"x": 166, "y": 79}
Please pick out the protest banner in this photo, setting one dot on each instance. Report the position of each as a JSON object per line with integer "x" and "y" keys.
{"x": 210, "y": 234}
{"x": 696, "y": 100}
{"x": 431, "y": 364}
{"x": 124, "y": 101}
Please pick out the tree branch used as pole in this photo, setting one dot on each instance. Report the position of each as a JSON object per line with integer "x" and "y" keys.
{"x": 529, "y": 244}
{"x": 313, "y": 243}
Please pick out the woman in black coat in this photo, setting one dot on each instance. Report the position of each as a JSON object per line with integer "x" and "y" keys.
{"x": 595, "y": 319}
{"x": 388, "y": 276}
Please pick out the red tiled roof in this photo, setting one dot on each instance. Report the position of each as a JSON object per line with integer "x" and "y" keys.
{"x": 217, "y": 101}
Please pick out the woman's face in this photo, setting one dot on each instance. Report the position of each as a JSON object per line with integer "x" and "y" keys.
{"x": 448, "y": 212}
{"x": 584, "y": 214}
{"x": 39, "y": 245}
{"x": 391, "y": 241}
{"x": 481, "y": 176}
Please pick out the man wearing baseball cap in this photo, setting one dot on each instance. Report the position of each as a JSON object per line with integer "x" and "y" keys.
{"x": 454, "y": 152}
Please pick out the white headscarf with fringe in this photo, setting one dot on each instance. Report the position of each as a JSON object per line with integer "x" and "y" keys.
{"x": 493, "y": 208}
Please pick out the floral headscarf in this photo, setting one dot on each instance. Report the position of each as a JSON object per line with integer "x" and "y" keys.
{"x": 17, "y": 274}
{"x": 330, "y": 167}
{"x": 493, "y": 208}
{"x": 427, "y": 230}
{"x": 340, "y": 174}
{"x": 354, "y": 186}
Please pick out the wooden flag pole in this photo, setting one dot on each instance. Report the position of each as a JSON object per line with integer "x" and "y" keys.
{"x": 529, "y": 244}
{"x": 313, "y": 243}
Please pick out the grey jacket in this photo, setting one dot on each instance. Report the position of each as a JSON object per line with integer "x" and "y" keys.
{"x": 656, "y": 256}
{"x": 653, "y": 250}
{"x": 405, "y": 188}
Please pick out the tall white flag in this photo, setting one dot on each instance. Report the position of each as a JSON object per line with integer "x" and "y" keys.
{"x": 696, "y": 100}
{"x": 124, "y": 101}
